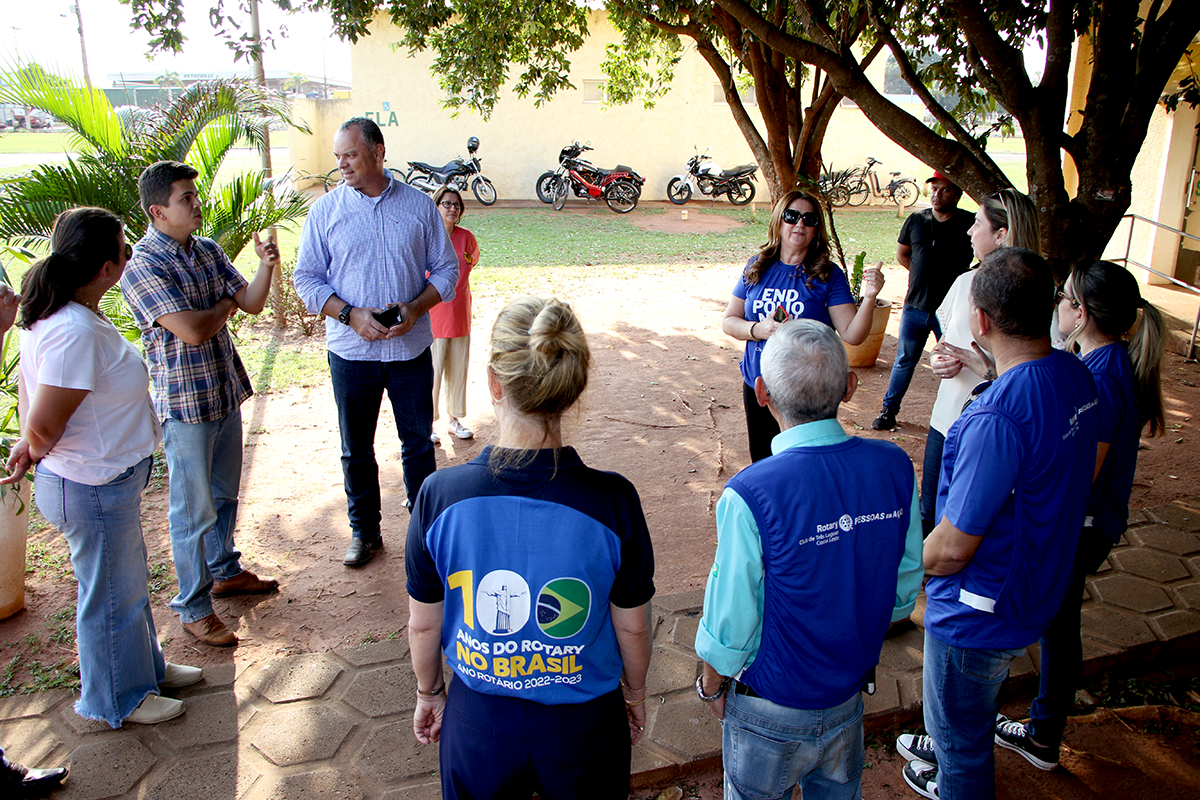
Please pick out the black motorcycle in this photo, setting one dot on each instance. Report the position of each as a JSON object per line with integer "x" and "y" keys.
{"x": 711, "y": 180}
{"x": 457, "y": 174}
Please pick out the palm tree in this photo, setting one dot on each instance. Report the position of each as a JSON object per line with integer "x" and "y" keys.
{"x": 113, "y": 146}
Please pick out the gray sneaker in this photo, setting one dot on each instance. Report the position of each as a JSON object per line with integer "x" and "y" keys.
{"x": 916, "y": 747}
{"x": 922, "y": 778}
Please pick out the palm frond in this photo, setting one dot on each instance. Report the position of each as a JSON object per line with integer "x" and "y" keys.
{"x": 86, "y": 111}
{"x": 243, "y": 206}
{"x": 115, "y": 307}
{"x": 210, "y": 148}
{"x": 29, "y": 206}
{"x": 249, "y": 108}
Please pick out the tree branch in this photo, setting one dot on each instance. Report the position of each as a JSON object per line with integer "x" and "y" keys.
{"x": 976, "y": 175}
{"x": 909, "y": 74}
{"x": 1005, "y": 62}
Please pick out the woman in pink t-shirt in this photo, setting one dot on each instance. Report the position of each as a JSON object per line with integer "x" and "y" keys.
{"x": 452, "y": 321}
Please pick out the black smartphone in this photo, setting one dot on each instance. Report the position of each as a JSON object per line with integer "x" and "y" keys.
{"x": 388, "y": 317}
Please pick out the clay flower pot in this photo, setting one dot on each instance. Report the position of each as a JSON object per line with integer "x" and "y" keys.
{"x": 14, "y": 529}
{"x": 865, "y": 354}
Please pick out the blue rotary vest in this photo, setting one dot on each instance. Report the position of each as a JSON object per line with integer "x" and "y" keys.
{"x": 833, "y": 522}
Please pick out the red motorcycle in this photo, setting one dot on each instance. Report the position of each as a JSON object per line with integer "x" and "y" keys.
{"x": 620, "y": 188}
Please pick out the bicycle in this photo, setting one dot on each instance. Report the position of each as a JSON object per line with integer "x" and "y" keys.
{"x": 333, "y": 178}
{"x": 901, "y": 191}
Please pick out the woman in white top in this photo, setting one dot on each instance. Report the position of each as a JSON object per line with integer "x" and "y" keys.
{"x": 89, "y": 428}
{"x": 1005, "y": 219}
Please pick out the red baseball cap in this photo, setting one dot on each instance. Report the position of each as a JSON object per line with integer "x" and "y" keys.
{"x": 939, "y": 176}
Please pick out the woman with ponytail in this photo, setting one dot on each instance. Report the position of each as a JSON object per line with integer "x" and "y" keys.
{"x": 88, "y": 426}
{"x": 533, "y": 574}
{"x": 1097, "y": 308}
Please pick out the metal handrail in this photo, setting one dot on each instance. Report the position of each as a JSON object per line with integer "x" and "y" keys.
{"x": 1191, "y": 356}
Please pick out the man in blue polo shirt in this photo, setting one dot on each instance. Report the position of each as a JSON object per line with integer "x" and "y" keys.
{"x": 813, "y": 563}
{"x": 1016, "y": 473}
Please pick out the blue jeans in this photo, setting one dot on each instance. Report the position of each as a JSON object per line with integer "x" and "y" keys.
{"x": 915, "y": 327}
{"x": 769, "y": 748}
{"x": 120, "y": 661}
{"x": 204, "y": 461}
{"x": 358, "y": 388}
{"x": 931, "y": 471}
{"x": 1062, "y": 647}
{"x": 960, "y": 691}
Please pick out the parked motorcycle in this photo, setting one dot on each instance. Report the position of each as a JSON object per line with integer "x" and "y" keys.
{"x": 620, "y": 187}
{"x": 456, "y": 174}
{"x": 704, "y": 174}
{"x": 593, "y": 174}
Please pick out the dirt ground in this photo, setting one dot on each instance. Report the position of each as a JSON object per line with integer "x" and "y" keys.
{"x": 1129, "y": 754}
{"x": 663, "y": 408}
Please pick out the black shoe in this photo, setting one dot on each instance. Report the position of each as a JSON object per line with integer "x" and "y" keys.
{"x": 362, "y": 550}
{"x": 1013, "y": 735}
{"x": 26, "y": 782}
{"x": 886, "y": 421}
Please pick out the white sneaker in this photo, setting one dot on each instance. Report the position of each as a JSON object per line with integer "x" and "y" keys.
{"x": 154, "y": 709}
{"x": 433, "y": 437}
{"x": 458, "y": 429}
{"x": 180, "y": 675}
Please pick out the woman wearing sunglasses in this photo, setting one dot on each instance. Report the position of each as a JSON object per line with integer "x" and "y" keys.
{"x": 792, "y": 277}
{"x": 1097, "y": 307}
{"x": 88, "y": 425}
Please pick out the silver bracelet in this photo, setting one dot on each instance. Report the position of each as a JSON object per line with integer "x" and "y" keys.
{"x": 715, "y": 696}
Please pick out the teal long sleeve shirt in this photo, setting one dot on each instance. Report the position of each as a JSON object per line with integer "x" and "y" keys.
{"x": 729, "y": 632}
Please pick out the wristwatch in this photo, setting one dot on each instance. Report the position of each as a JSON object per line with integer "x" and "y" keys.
{"x": 344, "y": 314}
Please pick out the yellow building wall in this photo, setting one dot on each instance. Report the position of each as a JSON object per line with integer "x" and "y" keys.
{"x": 520, "y": 141}
{"x": 313, "y": 155}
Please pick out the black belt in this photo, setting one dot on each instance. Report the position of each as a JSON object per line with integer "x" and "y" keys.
{"x": 744, "y": 688}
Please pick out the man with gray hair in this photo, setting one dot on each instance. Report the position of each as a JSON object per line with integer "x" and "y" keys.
{"x": 818, "y": 551}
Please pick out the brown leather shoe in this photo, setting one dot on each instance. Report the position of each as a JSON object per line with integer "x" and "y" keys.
{"x": 211, "y": 630}
{"x": 245, "y": 582}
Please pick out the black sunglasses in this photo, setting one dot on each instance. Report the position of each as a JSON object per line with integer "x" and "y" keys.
{"x": 793, "y": 215}
{"x": 1060, "y": 295}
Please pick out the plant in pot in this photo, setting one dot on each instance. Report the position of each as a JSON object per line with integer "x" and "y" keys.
{"x": 14, "y": 510}
{"x": 866, "y": 354}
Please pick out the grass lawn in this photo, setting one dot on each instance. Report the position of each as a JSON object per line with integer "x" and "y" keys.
{"x": 53, "y": 141}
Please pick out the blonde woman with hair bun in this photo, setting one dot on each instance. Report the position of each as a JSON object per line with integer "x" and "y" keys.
{"x": 1006, "y": 218}
{"x": 532, "y": 575}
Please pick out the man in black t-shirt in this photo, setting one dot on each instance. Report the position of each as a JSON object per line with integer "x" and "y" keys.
{"x": 935, "y": 249}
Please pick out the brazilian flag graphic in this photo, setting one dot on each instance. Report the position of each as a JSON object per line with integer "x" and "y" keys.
{"x": 563, "y": 606}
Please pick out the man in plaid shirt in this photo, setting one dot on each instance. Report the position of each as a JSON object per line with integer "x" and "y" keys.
{"x": 182, "y": 289}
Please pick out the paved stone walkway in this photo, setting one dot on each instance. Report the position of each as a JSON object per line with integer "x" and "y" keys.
{"x": 338, "y": 725}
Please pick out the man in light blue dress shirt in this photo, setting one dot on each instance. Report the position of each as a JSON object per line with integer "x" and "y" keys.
{"x": 370, "y": 246}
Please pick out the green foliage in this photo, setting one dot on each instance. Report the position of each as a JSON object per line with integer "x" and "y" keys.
{"x": 200, "y": 126}
{"x": 40, "y": 557}
{"x": 856, "y": 275}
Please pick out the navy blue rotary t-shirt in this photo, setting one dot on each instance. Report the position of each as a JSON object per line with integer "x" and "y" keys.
{"x": 527, "y": 561}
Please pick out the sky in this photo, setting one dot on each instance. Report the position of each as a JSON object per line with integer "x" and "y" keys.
{"x": 46, "y": 31}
